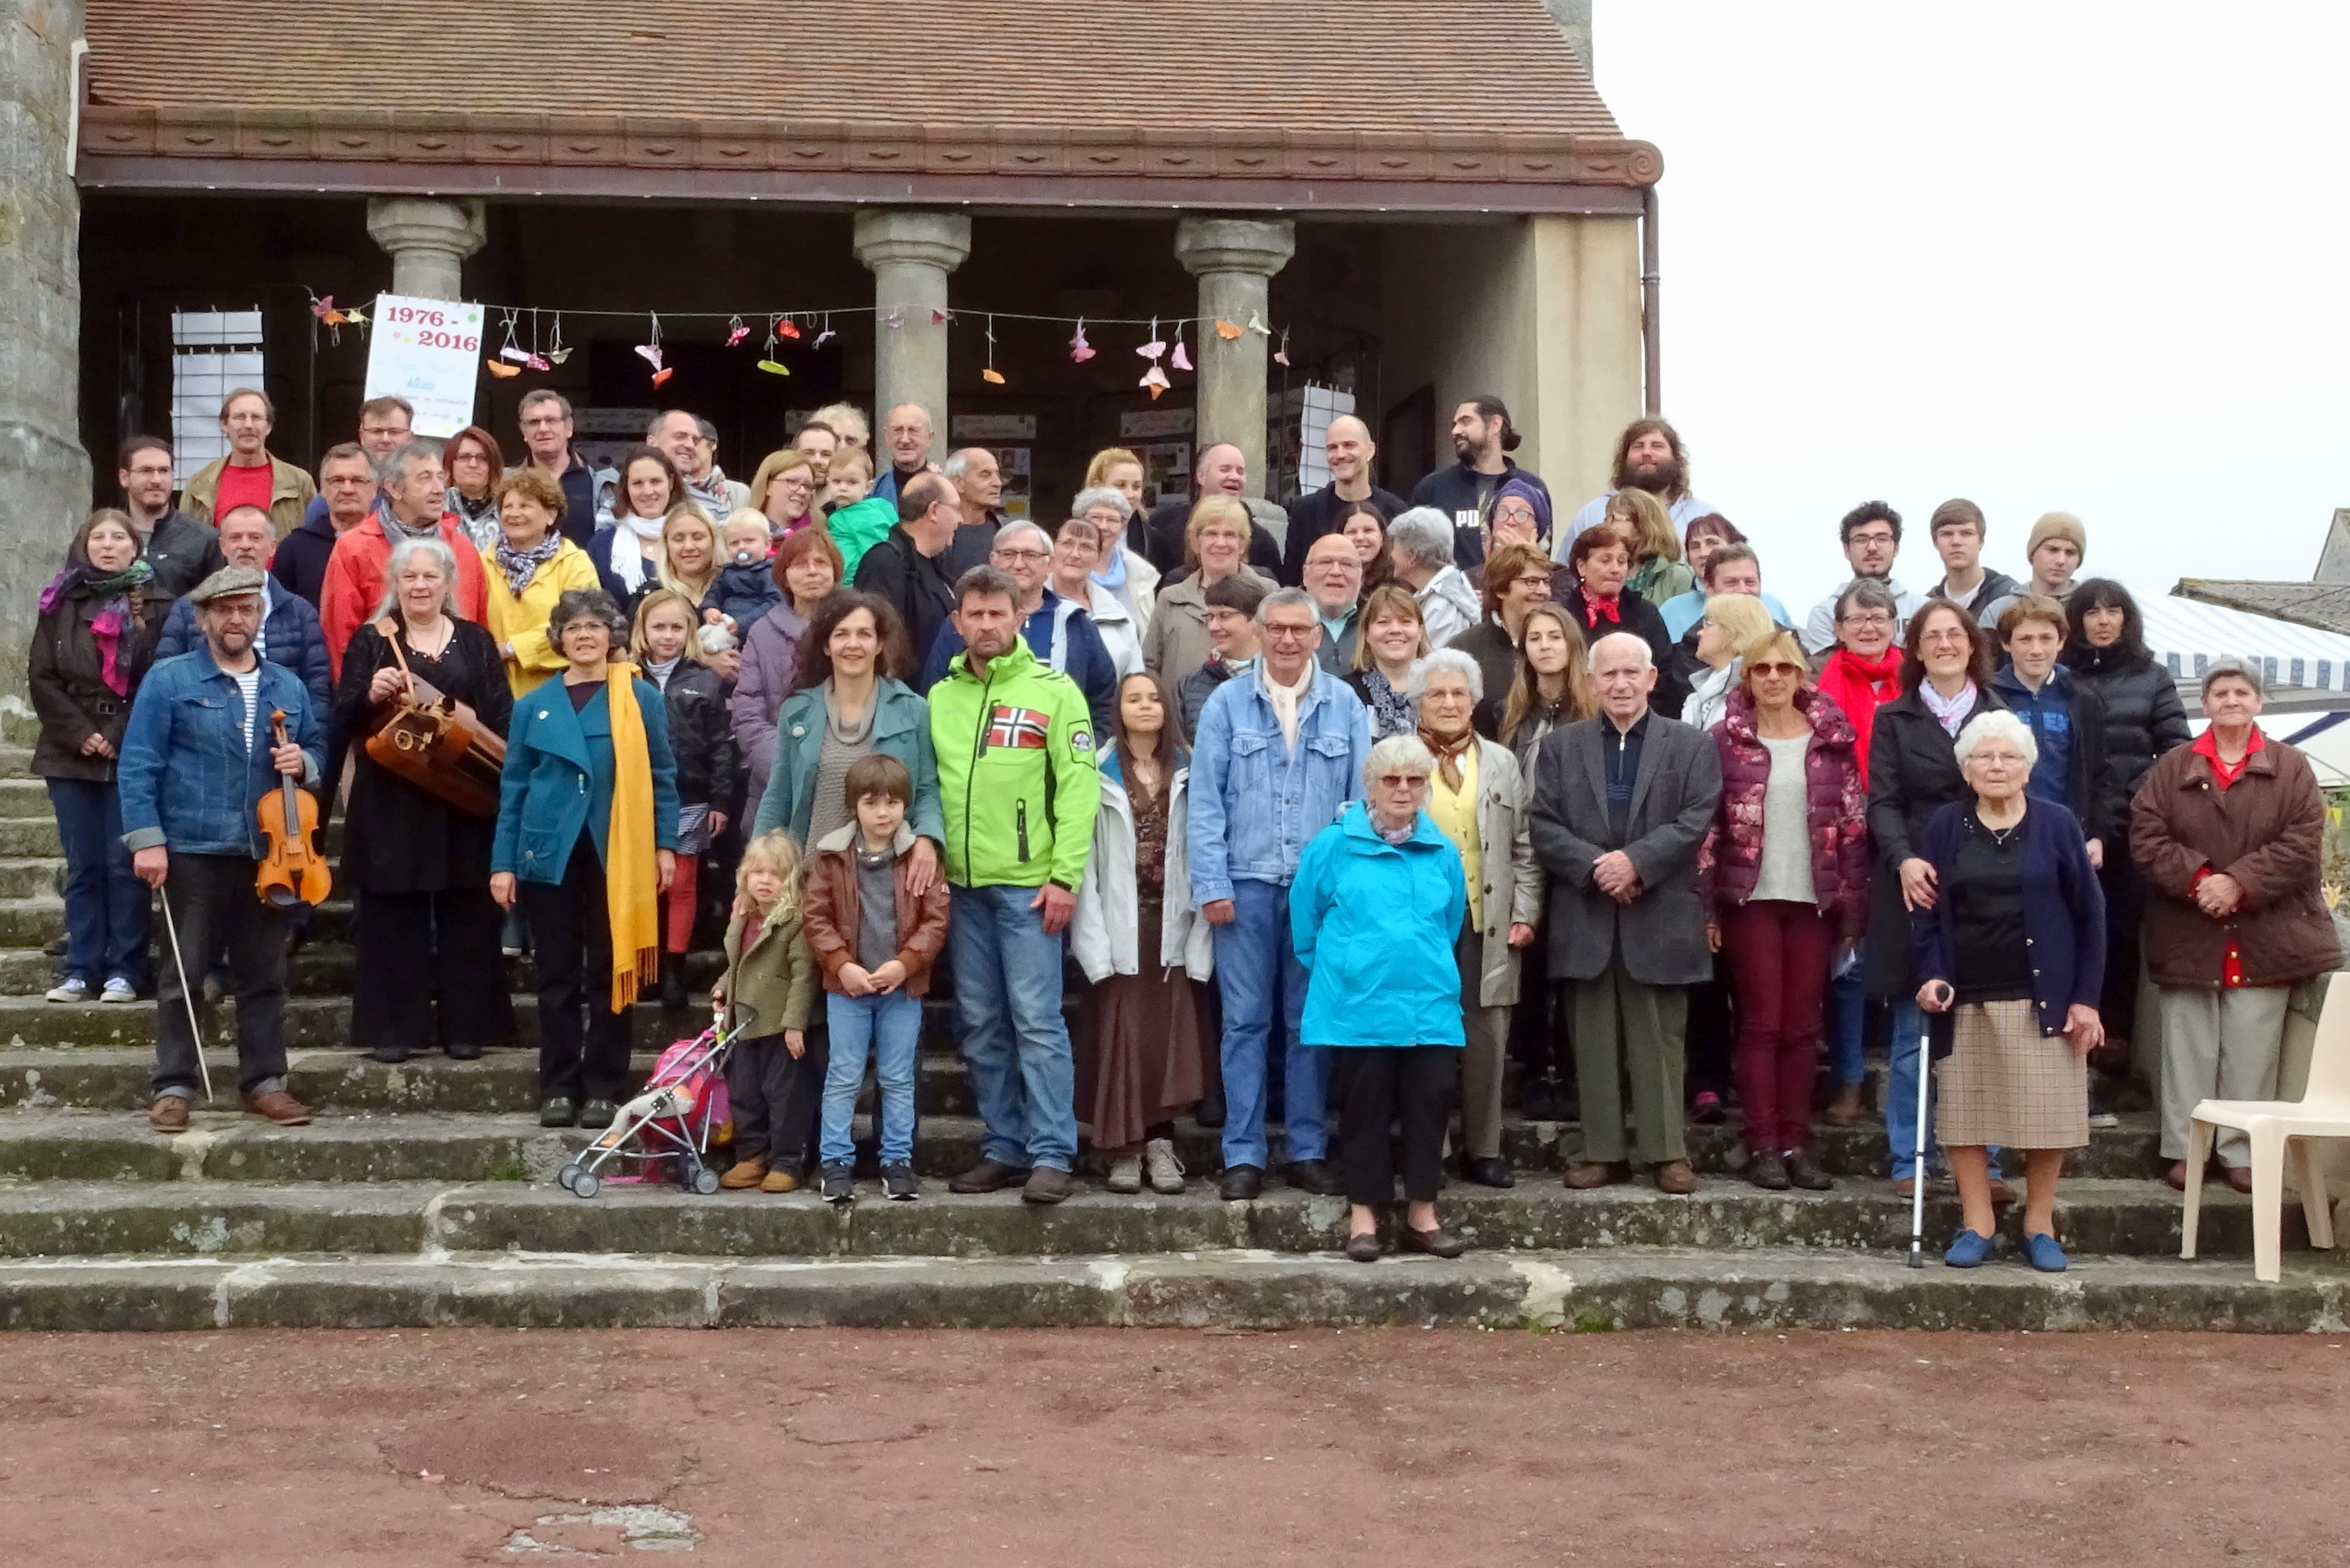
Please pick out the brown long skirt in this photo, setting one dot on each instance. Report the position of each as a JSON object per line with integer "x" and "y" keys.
{"x": 1147, "y": 1042}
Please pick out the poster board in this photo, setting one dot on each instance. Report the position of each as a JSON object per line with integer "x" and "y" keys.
{"x": 428, "y": 351}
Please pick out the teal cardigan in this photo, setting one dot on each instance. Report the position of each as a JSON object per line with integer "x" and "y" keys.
{"x": 901, "y": 729}
{"x": 558, "y": 780}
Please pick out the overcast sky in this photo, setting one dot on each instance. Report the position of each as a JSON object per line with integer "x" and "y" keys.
{"x": 2061, "y": 255}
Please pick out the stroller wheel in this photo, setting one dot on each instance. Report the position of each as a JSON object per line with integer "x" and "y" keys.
{"x": 701, "y": 1179}
{"x": 585, "y": 1183}
{"x": 565, "y": 1177}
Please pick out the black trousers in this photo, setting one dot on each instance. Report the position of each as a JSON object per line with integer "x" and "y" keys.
{"x": 2125, "y": 887}
{"x": 777, "y": 1098}
{"x": 407, "y": 942}
{"x": 1538, "y": 1024}
{"x": 1378, "y": 1084}
{"x": 571, "y": 932}
{"x": 1712, "y": 1032}
{"x": 215, "y": 910}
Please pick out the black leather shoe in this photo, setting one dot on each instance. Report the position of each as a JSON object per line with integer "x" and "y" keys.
{"x": 1314, "y": 1176}
{"x": 1493, "y": 1172}
{"x": 1437, "y": 1243}
{"x": 1541, "y": 1103}
{"x": 462, "y": 1050}
{"x": 1767, "y": 1171}
{"x": 558, "y": 1112}
{"x": 1363, "y": 1247}
{"x": 989, "y": 1176}
{"x": 391, "y": 1056}
{"x": 672, "y": 984}
{"x": 1240, "y": 1183}
{"x": 597, "y": 1114}
{"x": 1807, "y": 1172}
{"x": 1210, "y": 1112}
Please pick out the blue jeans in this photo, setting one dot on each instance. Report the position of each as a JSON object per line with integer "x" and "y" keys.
{"x": 1849, "y": 1024}
{"x": 107, "y": 907}
{"x": 890, "y": 1026}
{"x": 1901, "y": 1092}
{"x": 1007, "y": 976}
{"x": 1257, "y": 970}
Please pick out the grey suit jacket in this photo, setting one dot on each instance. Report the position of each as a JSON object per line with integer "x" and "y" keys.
{"x": 1659, "y": 936}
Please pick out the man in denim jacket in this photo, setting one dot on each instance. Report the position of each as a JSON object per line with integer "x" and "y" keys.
{"x": 1279, "y": 753}
{"x": 197, "y": 757}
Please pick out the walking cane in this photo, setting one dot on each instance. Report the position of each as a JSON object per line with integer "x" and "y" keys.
{"x": 1918, "y": 1169}
{"x": 196, "y": 1030}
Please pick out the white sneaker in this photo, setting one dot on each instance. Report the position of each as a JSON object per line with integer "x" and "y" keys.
{"x": 73, "y": 989}
{"x": 119, "y": 990}
{"x": 1166, "y": 1170}
{"x": 1125, "y": 1174}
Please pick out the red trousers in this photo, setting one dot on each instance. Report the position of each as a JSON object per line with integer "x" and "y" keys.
{"x": 1778, "y": 952}
{"x": 680, "y": 902}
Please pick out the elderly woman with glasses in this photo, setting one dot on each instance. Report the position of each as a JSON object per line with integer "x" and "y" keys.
{"x": 1479, "y": 800}
{"x": 1374, "y": 913}
{"x": 2009, "y": 960}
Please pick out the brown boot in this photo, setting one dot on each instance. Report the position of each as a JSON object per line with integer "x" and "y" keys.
{"x": 779, "y": 1180}
{"x": 1844, "y": 1109}
{"x": 1674, "y": 1176}
{"x": 1586, "y": 1174}
{"x": 278, "y": 1108}
{"x": 743, "y": 1175}
{"x": 168, "y": 1113}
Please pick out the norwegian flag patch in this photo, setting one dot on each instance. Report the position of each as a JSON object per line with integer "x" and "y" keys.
{"x": 1022, "y": 728}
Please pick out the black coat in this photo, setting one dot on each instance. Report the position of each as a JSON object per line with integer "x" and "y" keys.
{"x": 1488, "y": 642}
{"x": 69, "y": 693}
{"x": 183, "y": 553}
{"x": 1314, "y": 514}
{"x": 300, "y": 563}
{"x": 1913, "y": 772}
{"x": 700, "y": 736}
{"x": 1642, "y": 620}
{"x": 2143, "y": 716}
{"x": 396, "y": 837}
{"x": 1162, "y": 541}
{"x": 916, "y": 586}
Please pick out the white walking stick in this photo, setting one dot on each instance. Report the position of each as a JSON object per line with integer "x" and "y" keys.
{"x": 1918, "y": 1169}
{"x": 196, "y": 1030}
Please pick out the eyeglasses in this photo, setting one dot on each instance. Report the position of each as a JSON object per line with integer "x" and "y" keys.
{"x": 1872, "y": 620}
{"x": 1278, "y": 631}
{"x": 383, "y": 429}
{"x": 1024, "y": 554}
{"x": 1780, "y": 669}
{"x": 1885, "y": 537}
{"x": 1403, "y": 781}
{"x": 1948, "y": 636}
{"x": 1533, "y": 580}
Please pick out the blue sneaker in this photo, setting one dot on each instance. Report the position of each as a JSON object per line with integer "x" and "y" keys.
{"x": 2044, "y": 1254}
{"x": 1970, "y": 1250}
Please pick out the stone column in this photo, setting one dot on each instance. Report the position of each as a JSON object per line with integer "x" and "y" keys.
{"x": 45, "y": 476}
{"x": 910, "y": 253}
{"x": 428, "y": 240}
{"x": 1235, "y": 260}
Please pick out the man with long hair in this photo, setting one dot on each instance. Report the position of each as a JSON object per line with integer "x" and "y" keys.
{"x": 1482, "y": 439}
{"x": 1648, "y": 456}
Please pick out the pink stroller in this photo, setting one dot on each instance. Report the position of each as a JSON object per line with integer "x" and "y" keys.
{"x": 672, "y": 1122}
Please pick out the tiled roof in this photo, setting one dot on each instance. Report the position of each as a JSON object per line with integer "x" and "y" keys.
{"x": 1425, "y": 94}
{"x": 2325, "y": 605}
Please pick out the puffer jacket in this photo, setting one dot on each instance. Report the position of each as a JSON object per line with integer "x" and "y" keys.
{"x": 2266, "y": 831}
{"x": 700, "y": 736}
{"x": 2144, "y": 717}
{"x": 1729, "y": 861}
{"x": 771, "y": 656}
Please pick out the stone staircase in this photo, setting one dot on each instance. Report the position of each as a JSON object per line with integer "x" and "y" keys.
{"x": 424, "y": 1196}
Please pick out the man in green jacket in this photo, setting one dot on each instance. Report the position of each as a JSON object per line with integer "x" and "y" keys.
{"x": 1017, "y": 779}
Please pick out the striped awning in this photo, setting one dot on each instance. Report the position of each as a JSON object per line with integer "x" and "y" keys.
{"x": 2187, "y": 636}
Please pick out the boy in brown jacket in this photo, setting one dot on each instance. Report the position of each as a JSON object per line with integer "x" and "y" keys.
{"x": 874, "y": 941}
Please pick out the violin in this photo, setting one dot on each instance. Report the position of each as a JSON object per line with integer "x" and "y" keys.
{"x": 294, "y": 872}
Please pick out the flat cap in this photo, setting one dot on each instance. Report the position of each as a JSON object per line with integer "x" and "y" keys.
{"x": 226, "y": 582}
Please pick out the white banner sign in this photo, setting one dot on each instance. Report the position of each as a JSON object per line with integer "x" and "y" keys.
{"x": 429, "y": 352}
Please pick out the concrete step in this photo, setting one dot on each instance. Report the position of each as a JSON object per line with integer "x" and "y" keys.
{"x": 16, "y": 761}
{"x": 215, "y": 1218}
{"x": 32, "y": 876}
{"x": 1586, "y": 1291}
{"x": 22, "y": 795}
{"x": 30, "y": 836}
{"x": 48, "y": 1136}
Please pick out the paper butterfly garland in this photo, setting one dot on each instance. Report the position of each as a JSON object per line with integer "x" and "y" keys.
{"x": 1179, "y": 359}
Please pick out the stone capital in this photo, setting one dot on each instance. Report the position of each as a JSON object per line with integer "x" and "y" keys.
{"x": 400, "y": 224}
{"x": 887, "y": 236}
{"x": 1258, "y": 246}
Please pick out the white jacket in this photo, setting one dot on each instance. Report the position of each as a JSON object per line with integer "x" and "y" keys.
{"x": 1121, "y": 633}
{"x": 1448, "y": 606}
{"x": 1103, "y": 936}
{"x": 1709, "y": 696}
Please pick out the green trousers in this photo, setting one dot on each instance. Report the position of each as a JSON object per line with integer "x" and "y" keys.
{"x": 1624, "y": 1029}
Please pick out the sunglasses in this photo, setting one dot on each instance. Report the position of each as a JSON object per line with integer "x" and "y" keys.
{"x": 1775, "y": 668}
{"x": 1403, "y": 781}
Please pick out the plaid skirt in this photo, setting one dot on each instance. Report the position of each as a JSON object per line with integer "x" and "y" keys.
{"x": 2006, "y": 1083}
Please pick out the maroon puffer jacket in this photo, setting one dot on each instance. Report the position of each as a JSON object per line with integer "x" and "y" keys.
{"x": 1731, "y": 858}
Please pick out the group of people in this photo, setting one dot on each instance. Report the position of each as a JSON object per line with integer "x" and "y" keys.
{"x": 1338, "y": 806}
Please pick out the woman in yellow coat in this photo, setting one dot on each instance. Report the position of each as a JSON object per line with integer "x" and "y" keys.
{"x": 528, "y": 569}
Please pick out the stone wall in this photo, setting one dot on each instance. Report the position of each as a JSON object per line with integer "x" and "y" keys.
{"x": 45, "y": 476}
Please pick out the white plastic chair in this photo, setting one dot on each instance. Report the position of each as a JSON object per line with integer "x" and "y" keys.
{"x": 2322, "y": 1112}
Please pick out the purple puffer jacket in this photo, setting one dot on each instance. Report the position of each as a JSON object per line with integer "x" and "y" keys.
{"x": 1729, "y": 860}
{"x": 771, "y": 654}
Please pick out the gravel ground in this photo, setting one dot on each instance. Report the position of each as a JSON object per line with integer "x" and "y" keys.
{"x": 846, "y": 1448}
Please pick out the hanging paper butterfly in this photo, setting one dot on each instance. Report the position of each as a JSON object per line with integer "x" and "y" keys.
{"x": 651, "y": 354}
{"x": 557, "y": 351}
{"x": 991, "y": 375}
{"x": 1281, "y": 354}
{"x": 1080, "y": 349}
{"x": 355, "y": 316}
{"x": 323, "y": 308}
{"x": 1155, "y": 346}
{"x": 937, "y": 317}
{"x": 1256, "y": 325}
{"x": 1180, "y": 359}
{"x": 895, "y": 319}
{"x": 735, "y": 330}
{"x": 774, "y": 367}
{"x": 1156, "y": 380}
{"x": 823, "y": 338}
{"x": 501, "y": 369}
{"x": 536, "y": 362}
{"x": 663, "y": 374}
{"x": 1226, "y": 330}
{"x": 785, "y": 328}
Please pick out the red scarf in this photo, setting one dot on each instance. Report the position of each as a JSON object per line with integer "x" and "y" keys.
{"x": 1857, "y": 686}
{"x": 1594, "y": 606}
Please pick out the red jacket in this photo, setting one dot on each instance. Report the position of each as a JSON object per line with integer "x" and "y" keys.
{"x": 354, "y": 581}
{"x": 1857, "y": 687}
{"x": 1836, "y": 812}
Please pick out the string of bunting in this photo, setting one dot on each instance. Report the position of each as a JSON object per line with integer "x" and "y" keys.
{"x": 514, "y": 356}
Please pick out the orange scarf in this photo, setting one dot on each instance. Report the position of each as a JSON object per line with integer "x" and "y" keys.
{"x": 631, "y": 878}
